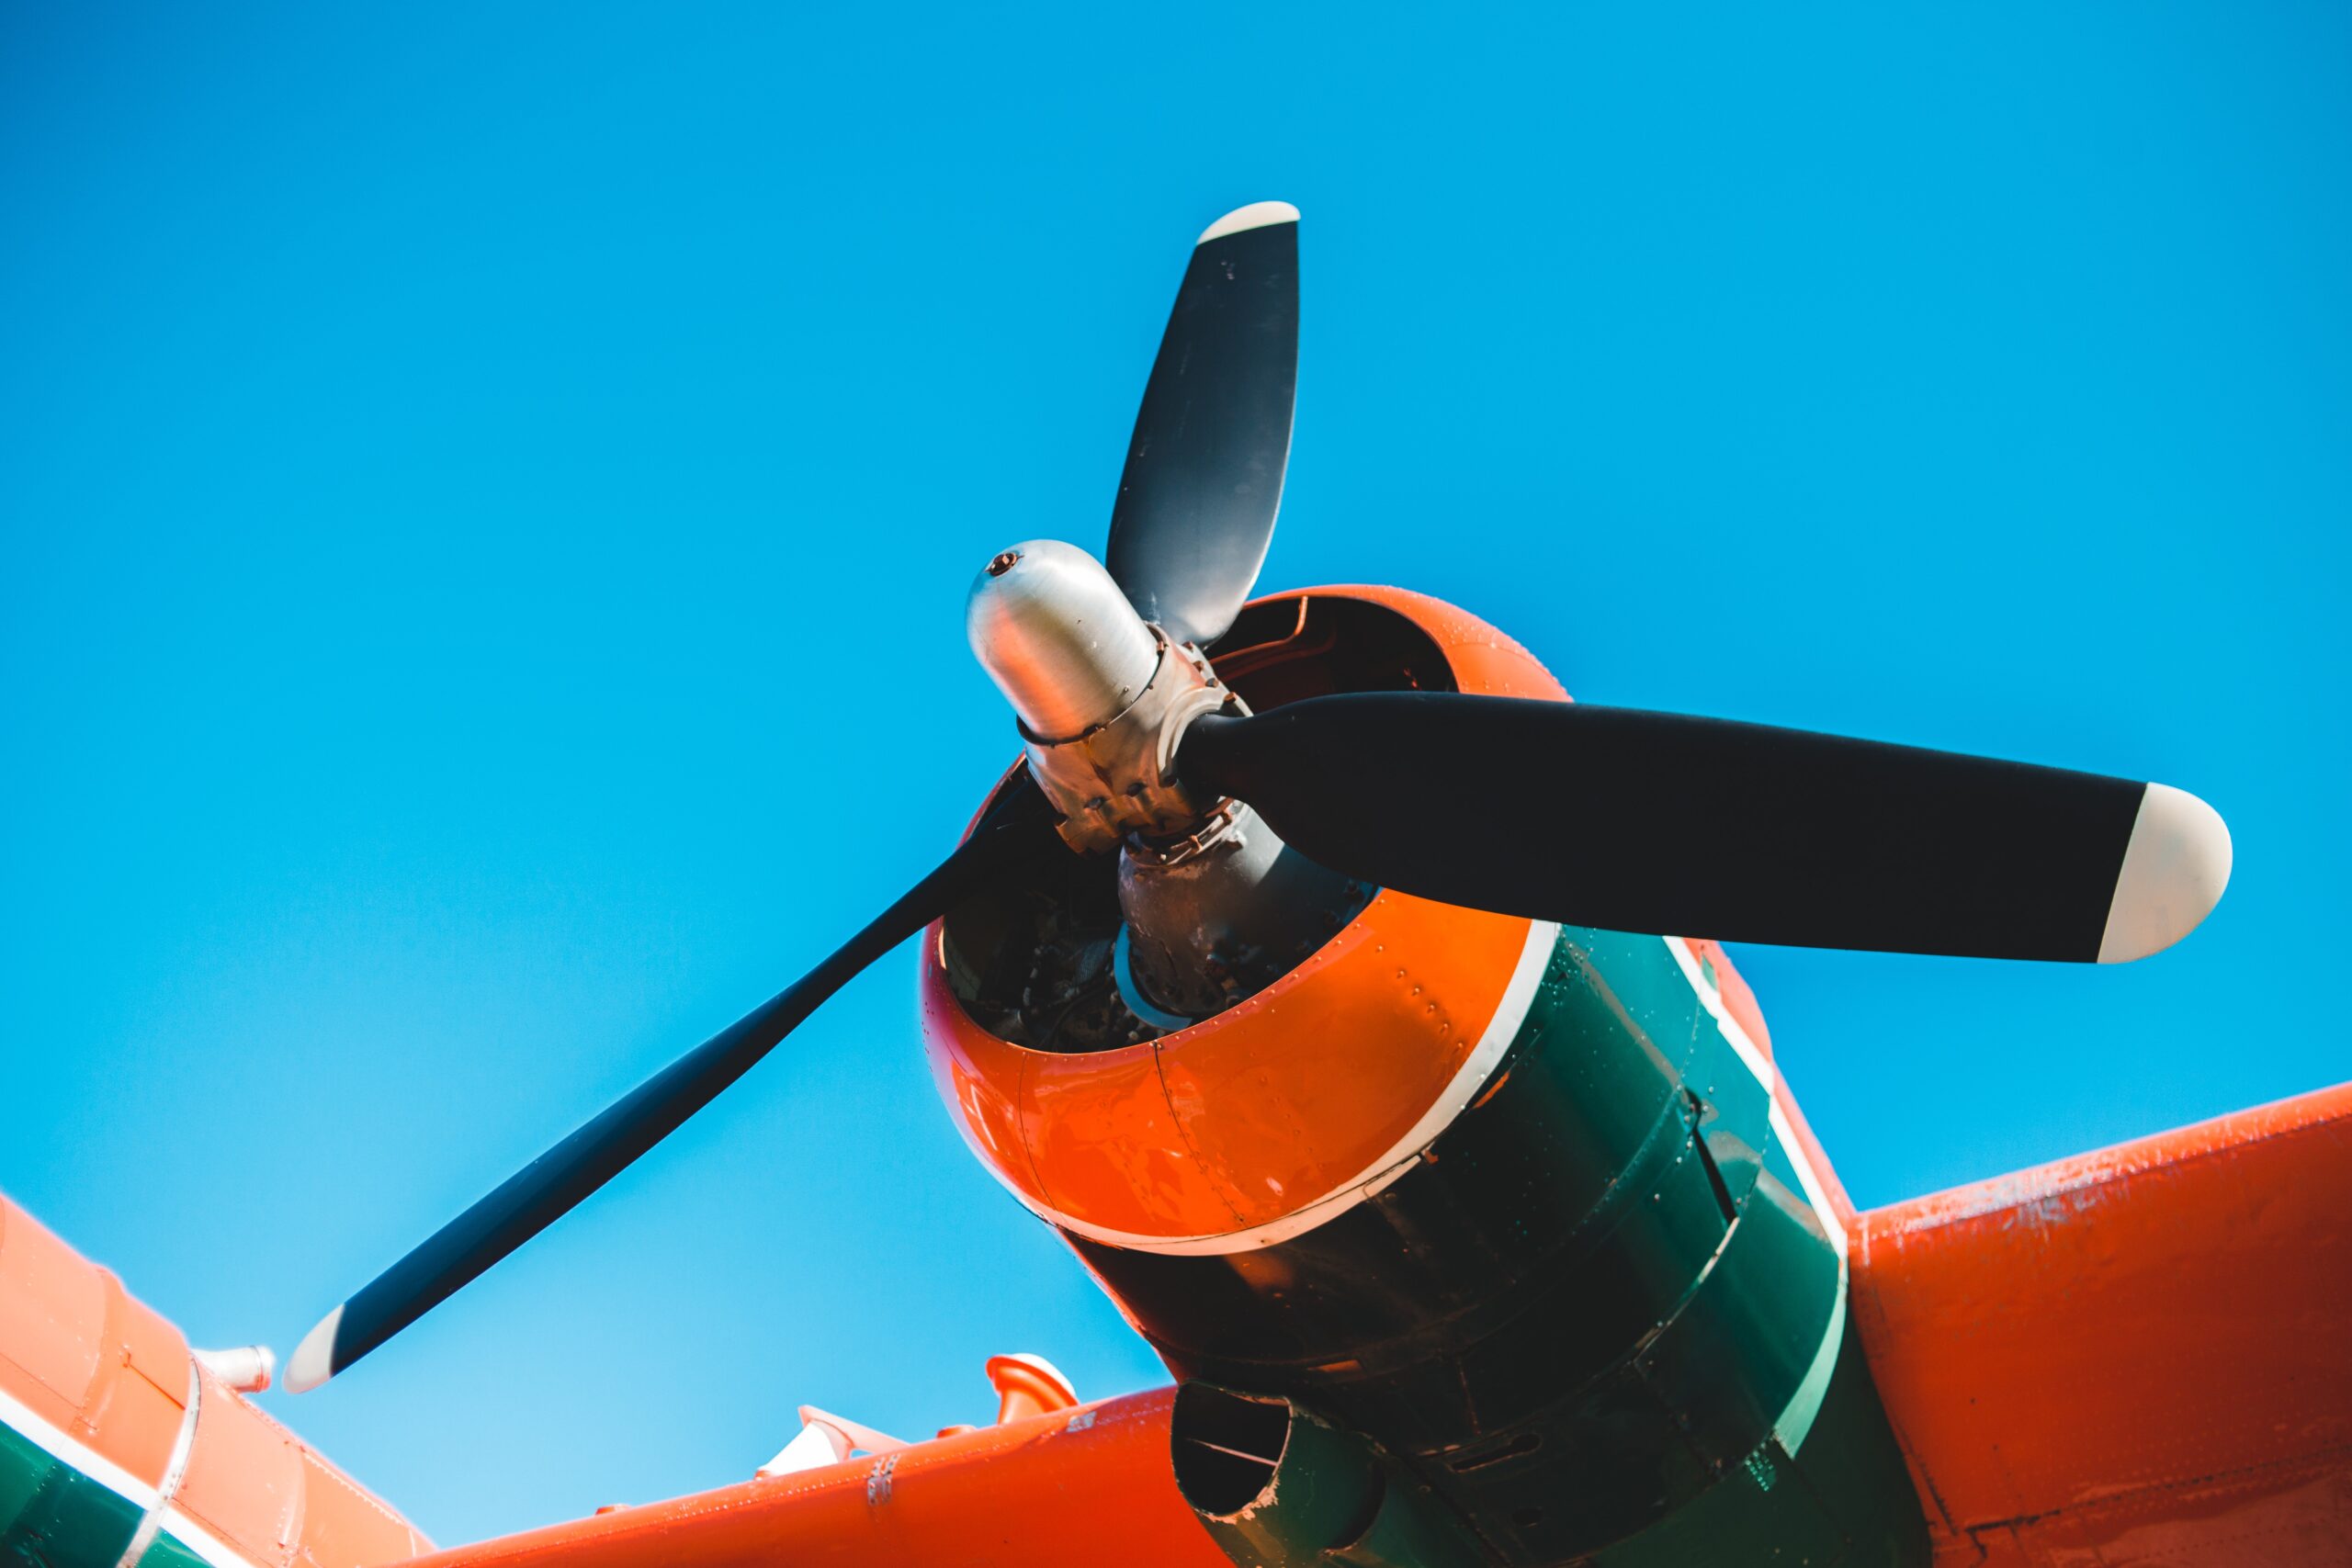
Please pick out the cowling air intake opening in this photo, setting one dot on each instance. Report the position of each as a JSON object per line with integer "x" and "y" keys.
{"x": 1032, "y": 958}
{"x": 1275, "y": 1485}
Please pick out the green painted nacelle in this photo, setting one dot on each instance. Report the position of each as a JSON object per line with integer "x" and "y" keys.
{"x": 1602, "y": 1319}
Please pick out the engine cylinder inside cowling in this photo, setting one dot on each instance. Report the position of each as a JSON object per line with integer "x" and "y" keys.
{"x": 1216, "y": 917}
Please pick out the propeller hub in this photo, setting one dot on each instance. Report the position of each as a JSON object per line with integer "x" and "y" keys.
{"x": 1058, "y": 639}
{"x": 1103, "y": 695}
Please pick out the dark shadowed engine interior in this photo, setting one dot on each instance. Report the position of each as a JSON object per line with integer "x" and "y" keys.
{"x": 1032, "y": 959}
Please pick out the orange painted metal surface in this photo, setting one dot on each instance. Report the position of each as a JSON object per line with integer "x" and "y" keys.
{"x": 79, "y": 1351}
{"x": 2138, "y": 1355}
{"x": 1092, "y": 1487}
{"x": 1280, "y": 1101}
{"x": 108, "y": 1372}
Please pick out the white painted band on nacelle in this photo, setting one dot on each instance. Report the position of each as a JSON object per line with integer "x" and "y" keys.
{"x": 1502, "y": 1028}
{"x": 1257, "y": 215}
{"x": 1795, "y": 1420}
{"x": 2173, "y": 870}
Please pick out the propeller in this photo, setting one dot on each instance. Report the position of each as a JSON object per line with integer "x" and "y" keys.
{"x": 1586, "y": 815}
{"x": 1657, "y": 822}
{"x": 1204, "y": 468}
{"x": 1019, "y": 826}
{"x": 1195, "y": 511}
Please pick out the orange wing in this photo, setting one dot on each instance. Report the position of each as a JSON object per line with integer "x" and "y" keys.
{"x": 2138, "y": 1355}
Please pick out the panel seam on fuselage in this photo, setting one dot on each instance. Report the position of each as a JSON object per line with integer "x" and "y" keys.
{"x": 182, "y": 1441}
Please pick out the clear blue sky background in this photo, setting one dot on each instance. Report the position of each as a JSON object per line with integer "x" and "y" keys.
{"x": 486, "y": 498}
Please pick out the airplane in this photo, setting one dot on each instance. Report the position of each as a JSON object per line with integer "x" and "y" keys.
{"x": 1316, "y": 972}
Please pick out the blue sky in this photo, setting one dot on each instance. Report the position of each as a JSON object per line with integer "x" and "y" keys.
{"x": 487, "y": 494}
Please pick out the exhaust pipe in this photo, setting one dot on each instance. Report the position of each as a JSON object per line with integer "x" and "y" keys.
{"x": 1278, "y": 1487}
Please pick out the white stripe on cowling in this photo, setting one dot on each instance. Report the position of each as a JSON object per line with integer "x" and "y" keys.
{"x": 1797, "y": 1417}
{"x": 1510, "y": 1011}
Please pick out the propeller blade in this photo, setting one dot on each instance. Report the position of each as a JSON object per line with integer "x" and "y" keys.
{"x": 543, "y": 1191}
{"x": 1204, "y": 468}
{"x": 1654, "y": 822}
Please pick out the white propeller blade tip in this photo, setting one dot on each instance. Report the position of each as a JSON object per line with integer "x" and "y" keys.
{"x": 1257, "y": 215}
{"x": 2173, "y": 870}
{"x": 314, "y": 1360}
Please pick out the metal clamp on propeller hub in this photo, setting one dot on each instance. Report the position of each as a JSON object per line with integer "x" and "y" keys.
{"x": 1103, "y": 696}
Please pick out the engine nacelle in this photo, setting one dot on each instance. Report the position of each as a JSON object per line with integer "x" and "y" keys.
{"x": 1524, "y": 1206}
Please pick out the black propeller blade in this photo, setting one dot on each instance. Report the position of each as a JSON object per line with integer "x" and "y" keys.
{"x": 543, "y": 1191}
{"x": 1654, "y": 822}
{"x": 1204, "y": 468}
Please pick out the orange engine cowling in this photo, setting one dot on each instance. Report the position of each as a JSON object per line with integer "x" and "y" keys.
{"x": 1517, "y": 1211}
{"x": 1259, "y": 1122}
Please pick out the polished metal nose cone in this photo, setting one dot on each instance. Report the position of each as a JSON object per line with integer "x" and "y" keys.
{"x": 1058, "y": 639}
